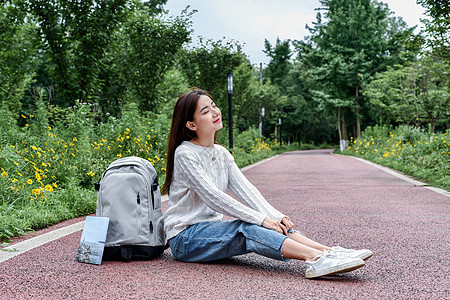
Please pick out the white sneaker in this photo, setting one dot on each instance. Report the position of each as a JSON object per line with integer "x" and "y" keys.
{"x": 363, "y": 254}
{"x": 331, "y": 263}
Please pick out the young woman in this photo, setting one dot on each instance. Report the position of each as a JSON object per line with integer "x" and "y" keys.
{"x": 199, "y": 171}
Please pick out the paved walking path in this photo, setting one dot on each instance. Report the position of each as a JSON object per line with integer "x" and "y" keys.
{"x": 333, "y": 199}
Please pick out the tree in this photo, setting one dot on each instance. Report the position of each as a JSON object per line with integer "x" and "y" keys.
{"x": 437, "y": 27}
{"x": 144, "y": 49}
{"x": 76, "y": 35}
{"x": 279, "y": 64}
{"x": 154, "y": 6}
{"x": 19, "y": 43}
{"x": 207, "y": 66}
{"x": 416, "y": 94}
{"x": 312, "y": 102}
{"x": 347, "y": 50}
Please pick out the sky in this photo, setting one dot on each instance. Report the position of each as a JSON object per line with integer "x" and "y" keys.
{"x": 250, "y": 22}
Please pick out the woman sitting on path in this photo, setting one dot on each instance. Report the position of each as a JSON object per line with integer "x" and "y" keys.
{"x": 199, "y": 171}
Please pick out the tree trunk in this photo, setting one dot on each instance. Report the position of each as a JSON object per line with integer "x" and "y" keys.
{"x": 339, "y": 123}
{"x": 276, "y": 133}
{"x": 358, "y": 120}
{"x": 344, "y": 128}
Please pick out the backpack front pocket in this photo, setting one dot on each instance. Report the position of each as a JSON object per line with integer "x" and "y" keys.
{"x": 126, "y": 203}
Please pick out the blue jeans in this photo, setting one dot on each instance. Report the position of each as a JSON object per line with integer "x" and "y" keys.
{"x": 209, "y": 241}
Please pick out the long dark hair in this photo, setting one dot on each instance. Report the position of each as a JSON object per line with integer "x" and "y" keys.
{"x": 182, "y": 113}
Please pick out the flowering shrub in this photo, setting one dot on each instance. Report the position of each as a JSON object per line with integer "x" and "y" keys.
{"x": 47, "y": 173}
{"x": 249, "y": 147}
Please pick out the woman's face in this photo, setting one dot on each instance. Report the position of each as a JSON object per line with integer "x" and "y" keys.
{"x": 207, "y": 117}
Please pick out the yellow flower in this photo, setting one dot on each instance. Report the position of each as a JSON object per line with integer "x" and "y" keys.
{"x": 16, "y": 163}
{"x": 90, "y": 173}
{"x": 36, "y": 191}
{"x": 43, "y": 164}
{"x": 23, "y": 116}
{"x": 49, "y": 128}
{"x": 75, "y": 139}
{"x": 29, "y": 181}
{"x": 49, "y": 188}
{"x": 55, "y": 185}
{"x": 4, "y": 173}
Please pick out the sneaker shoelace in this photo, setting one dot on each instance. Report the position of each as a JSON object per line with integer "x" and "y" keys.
{"x": 339, "y": 248}
{"x": 327, "y": 253}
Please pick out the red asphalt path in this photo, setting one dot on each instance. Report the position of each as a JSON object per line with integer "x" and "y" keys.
{"x": 336, "y": 200}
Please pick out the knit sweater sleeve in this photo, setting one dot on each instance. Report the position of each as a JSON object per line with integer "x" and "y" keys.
{"x": 197, "y": 179}
{"x": 248, "y": 193}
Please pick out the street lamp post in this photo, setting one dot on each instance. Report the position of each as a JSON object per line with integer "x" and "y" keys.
{"x": 279, "y": 123}
{"x": 230, "y": 109}
{"x": 263, "y": 113}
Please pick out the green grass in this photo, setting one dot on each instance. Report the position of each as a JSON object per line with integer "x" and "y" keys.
{"x": 410, "y": 150}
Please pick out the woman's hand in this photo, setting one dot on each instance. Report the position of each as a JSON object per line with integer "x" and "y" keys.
{"x": 274, "y": 225}
{"x": 287, "y": 223}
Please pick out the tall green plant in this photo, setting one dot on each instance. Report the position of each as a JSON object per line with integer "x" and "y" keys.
{"x": 437, "y": 28}
{"x": 207, "y": 66}
{"x": 77, "y": 35}
{"x": 278, "y": 68}
{"x": 144, "y": 51}
{"x": 350, "y": 47}
{"x": 416, "y": 94}
{"x": 19, "y": 42}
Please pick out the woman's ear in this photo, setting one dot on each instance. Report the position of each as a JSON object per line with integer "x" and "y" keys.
{"x": 191, "y": 125}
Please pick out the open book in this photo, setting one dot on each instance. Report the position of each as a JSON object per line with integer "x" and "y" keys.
{"x": 93, "y": 240}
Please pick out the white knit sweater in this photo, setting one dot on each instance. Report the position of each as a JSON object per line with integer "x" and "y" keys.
{"x": 198, "y": 190}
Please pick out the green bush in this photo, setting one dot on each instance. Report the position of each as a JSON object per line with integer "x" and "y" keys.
{"x": 47, "y": 173}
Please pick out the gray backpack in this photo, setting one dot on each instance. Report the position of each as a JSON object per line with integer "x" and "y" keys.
{"x": 129, "y": 195}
